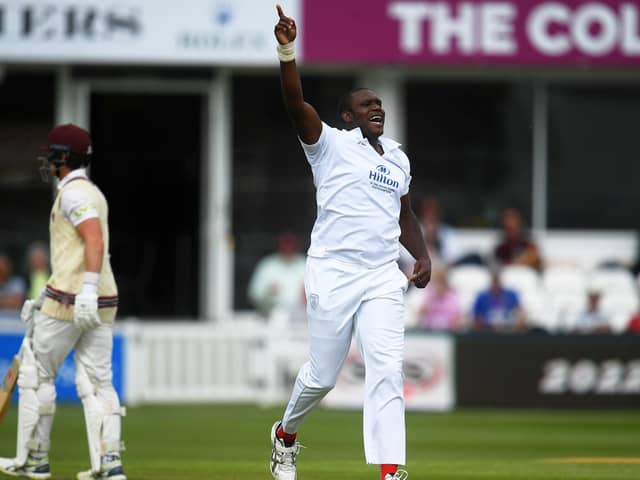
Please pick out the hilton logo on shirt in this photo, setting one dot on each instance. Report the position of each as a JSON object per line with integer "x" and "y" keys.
{"x": 380, "y": 180}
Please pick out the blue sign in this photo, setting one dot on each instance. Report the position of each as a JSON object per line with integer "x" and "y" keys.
{"x": 66, "y": 379}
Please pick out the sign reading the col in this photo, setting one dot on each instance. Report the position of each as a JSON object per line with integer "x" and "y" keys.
{"x": 139, "y": 31}
{"x": 566, "y": 32}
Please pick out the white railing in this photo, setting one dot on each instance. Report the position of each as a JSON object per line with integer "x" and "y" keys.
{"x": 205, "y": 362}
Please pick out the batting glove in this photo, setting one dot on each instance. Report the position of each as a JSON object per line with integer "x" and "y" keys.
{"x": 29, "y": 307}
{"x": 85, "y": 311}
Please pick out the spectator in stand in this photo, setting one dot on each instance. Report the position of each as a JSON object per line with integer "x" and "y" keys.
{"x": 634, "y": 324}
{"x": 278, "y": 279}
{"x": 439, "y": 236}
{"x": 498, "y": 308}
{"x": 441, "y": 308}
{"x": 12, "y": 289}
{"x": 592, "y": 319}
{"x": 515, "y": 247}
{"x": 38, "y": 274}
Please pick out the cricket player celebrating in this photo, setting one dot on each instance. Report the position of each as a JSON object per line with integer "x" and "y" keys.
{"x": 75, "y": 310}
{"x": 352, "y": 281}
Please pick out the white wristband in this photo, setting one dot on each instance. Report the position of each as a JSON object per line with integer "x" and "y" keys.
{"x": 286, "y": 52}
{"x": 92, "y": 278}
{"x": 90, "y": 282}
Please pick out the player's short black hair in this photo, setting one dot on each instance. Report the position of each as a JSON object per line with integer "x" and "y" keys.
{"x": 344, "y": 105}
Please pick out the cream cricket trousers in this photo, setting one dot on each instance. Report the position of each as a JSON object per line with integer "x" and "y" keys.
{"x": 52, "y": 341}
{"x": 345, "y": 300}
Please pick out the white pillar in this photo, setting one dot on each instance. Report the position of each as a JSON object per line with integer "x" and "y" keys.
{"x": 82, "y": 112}
{"x": 72, "y": 100}
{"x": 389, "y": 87}
{"x": 72, "y": 104}
{"x": 216, "y": 246}
{"x": 64, "y": 98}
{"x": 540, "y": 158}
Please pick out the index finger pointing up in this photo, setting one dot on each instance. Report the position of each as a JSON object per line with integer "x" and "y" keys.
{"x": 280, "y": 12}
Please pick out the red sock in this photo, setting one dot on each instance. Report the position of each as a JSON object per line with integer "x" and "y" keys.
{"x": 289, "y": 438}
{"x": 387, "y": 468}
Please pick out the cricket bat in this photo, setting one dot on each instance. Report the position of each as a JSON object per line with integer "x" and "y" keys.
{"x": 11, "y": 377}
{"x": 9, "y": 384}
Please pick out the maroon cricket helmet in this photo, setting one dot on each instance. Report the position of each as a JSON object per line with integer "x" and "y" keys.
{"x": 69, "y": 138}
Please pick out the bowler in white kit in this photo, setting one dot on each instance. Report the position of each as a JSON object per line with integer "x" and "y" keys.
{"x": 353, "y": 285}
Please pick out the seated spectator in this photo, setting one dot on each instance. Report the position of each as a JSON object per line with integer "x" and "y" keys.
{"x": 498, "y": 308}
{"x": 278, "y": 279}
{"x": 441, "y": 307}
{"x": 515, "y": 247}
{"x": 439, "y": 236}
{"x": 634, "y": 324}
{"x": 38, "y": 274}
{"x": 12, "y": 289}
{"x": 592, "y": 319}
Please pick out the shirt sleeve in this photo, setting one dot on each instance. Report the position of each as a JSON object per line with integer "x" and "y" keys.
{"x": 316, "y": 151}
{"x": 406, "y": 187}
{"x": 407, "y": 171}
{"x": 77, "y": 206}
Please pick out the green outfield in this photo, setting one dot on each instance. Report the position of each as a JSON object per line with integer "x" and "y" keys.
{"x": 231, "y": 442}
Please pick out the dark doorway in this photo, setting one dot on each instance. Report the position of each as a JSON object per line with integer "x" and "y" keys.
{"x": 147, "y": 161}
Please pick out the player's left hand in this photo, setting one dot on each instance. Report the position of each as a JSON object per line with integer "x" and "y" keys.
{"x": 85, "y": 311}
{"x": 421, "y": 273}
{"x": 29, "y": 307}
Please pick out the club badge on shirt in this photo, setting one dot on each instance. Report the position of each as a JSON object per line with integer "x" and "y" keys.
{"x": 313, "y": 300}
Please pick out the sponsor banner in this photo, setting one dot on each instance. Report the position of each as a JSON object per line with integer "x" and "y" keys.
{"x": 567, "y": 371}
{"x": 66, "y": 380}
{"x": 428, "y": 376}
{"x": 516, "y": 32}
{"x": 205, "y": 32}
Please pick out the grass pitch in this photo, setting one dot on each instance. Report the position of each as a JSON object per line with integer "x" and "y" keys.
{"x": 231, "y": 442}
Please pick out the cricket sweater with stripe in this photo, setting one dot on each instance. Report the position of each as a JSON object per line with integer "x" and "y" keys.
{"x": 67, "y": 258}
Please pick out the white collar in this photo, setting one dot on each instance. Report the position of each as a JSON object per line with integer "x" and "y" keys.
{"x": 77, "y": 173}
{"x": 388, "y": 144}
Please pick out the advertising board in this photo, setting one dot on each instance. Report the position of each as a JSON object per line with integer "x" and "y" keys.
{"x": 201, "y": 32}
{"x": 569, "y": 371}
{"x": 65, "y": 381}
{"x": 511, "y": 32}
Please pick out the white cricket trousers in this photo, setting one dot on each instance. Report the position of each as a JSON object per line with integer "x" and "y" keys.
{"x": 344, "y": 300}
{"x": 52, "y": 341}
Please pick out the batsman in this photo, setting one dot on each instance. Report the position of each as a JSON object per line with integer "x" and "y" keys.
{"x": 76, "y": 309}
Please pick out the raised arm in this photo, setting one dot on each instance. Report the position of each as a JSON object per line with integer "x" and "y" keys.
{"x": 412, "y": 239}
{"x": 304, "y": 117}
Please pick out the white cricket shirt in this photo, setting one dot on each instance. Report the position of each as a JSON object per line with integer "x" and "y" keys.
{"x": 358, "y": 197}
{"x": 75, "y": 204}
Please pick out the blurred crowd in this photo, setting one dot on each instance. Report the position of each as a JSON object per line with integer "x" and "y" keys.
{"x": 509, "y": 290}
{"x": 17, "y": 284}
{"x": 512, "y": 290}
